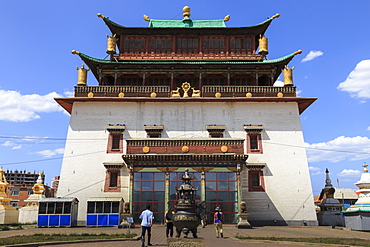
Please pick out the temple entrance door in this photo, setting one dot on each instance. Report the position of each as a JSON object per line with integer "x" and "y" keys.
{"x": 221, "y": 191}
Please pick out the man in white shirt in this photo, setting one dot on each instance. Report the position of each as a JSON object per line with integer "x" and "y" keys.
{"x": 146, "y": 224}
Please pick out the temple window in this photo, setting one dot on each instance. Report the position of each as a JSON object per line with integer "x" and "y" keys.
{"x": 115, "y": 138}
{"x": 213, "y": 45}
{"x": 214, "y": 80}
{"x": 158, "y": 80}
{"x": 131, "y": 80}
{"x": 153, "y": 131}
{"x": 264, "y": 80}
{"x": 241, "y": 80}
{"x": 216, "y": 131}
{"x": 241, "y": 45}
{"x": 186, "y": 45}
{"x": 255, "y": 177}
{"x": 254, "y": 138}
{"x": 160, "y": 45}
{"x": 113, "y": 178}
{"x": 133, "y": 45}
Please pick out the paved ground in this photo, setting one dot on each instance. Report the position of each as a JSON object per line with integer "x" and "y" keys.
{"x": 208, "y": 233}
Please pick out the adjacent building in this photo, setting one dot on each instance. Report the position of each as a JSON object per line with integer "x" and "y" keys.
{"x": 190, "y": 94}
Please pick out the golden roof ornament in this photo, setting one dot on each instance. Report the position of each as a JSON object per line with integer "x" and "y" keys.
{"x": 82, "y": 76}
{"x": 186, "y": 11}
{"x": 111, "y": 45}
{"x": 100, "y": 16}
{"x": 297, "y": 52}
{"x": 275, "y": 16}
{"x": 263, "y": 44}
{"x": 227, "y": 18}
{"x": 288, "y": 76}
{"x": 146, "y": 18}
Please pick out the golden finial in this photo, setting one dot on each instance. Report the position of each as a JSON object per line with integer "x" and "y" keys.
{"x": 75, "y": 52}
{"x": 146, "y": 18}
{"x": 186, "y": 11}
{"x": 365, "y": 167}
{"x": 275, "y": 16}
{"x": 298, "y": 52}
{"x": 227, "y": 18}
{"x": 100, "y": 15}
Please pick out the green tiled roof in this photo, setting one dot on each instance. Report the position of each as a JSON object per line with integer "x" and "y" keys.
{"x": 187, "y": 23}
{"x": 187, "y": 61}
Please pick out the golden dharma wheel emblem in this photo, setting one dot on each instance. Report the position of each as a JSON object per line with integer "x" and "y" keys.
{"x": 248, "y": 95}
{"x": 146, "y": 149}
{"x": 121, "y": 95}
{"x": 153, "y": 95}
{"x": 224, "y": 149}
{"x": 91, "y": 94}
{"x": 280, "y": 94}
{"x": 185, "y": 149}
{"x": 218, "y": 95}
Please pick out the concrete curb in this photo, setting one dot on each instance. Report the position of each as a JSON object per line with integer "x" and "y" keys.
{"x": 73, "y": 242}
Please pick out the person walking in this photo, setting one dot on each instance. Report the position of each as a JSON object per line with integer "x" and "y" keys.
{"x": 217, "y": 220}
{"x": 146, "y": 224}
{"x": 169, "y": 223}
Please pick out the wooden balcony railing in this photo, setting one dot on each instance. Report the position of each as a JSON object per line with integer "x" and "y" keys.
{"x": 248, "y": 91}
{"x": 122, "y": 91}
{"x": 164, "y": 91}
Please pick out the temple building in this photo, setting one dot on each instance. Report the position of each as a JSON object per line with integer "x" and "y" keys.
{"x": 190, "y": 94}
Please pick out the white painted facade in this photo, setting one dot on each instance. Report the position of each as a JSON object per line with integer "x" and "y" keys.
{"x": 288, "y": 194}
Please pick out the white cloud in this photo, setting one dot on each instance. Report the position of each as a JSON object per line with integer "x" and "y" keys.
{"x": 15, "y": 107}
{"x": 279, "y": 83}
{"x": 314, "y": 169}
{"x": 50, "y": 153}
{"x": 11, "y": 145}
{"x": 339, "y": 149}
{"x": 349, "y": 173}
{"x": 368, "y": 128}
{"x": 357, "y": 83}
{"x": 312, "y": 55}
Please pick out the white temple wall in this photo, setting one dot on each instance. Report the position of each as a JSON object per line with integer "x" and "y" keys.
{"x": 287, "y": 181}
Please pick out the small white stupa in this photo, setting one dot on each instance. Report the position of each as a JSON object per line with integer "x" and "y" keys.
{"x": 357, "y": 216}
{"x": 29, "y": 213}
{"x": 8, "y": 214}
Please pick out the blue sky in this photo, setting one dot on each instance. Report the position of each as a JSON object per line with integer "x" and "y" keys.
{"x": 37, "y": 65}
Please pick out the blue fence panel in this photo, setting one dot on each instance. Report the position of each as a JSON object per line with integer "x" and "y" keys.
{"x": 53, "y": 220}
{"x": 91, "y": 220}
{"x": 65, "y": 220}
{"x": 113, "y": 220}
{"x": 43, "y": 220}
{"x": 102, "y": 219}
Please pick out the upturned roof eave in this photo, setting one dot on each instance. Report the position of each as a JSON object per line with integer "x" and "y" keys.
{"x": 93, "y": 63}
{"x": 256, "y": 30}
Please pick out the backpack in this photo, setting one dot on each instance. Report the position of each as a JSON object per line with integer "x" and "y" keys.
{"x": 219, "y": 217}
